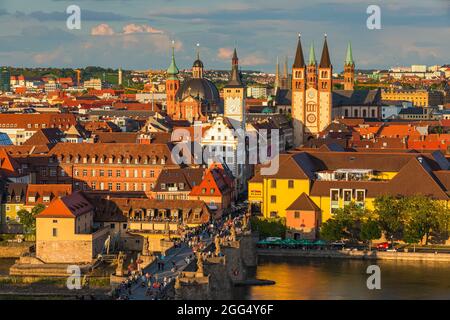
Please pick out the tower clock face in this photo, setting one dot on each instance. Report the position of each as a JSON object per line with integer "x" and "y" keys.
{"x": 232, "y": 105}
{"x": 311, "y": 118}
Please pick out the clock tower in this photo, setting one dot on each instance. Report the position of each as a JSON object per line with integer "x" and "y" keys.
{"x": 234, "y": 96}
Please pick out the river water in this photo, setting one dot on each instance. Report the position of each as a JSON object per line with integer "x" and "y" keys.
{"x": 306, "y": 279}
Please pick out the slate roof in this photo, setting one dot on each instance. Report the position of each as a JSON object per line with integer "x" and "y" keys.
{"x": 356, "y": 98}
{"x": 283, "y": 97}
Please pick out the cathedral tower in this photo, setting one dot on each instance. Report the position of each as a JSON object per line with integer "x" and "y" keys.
{"x": 172, "y": 85}
{"x": 349, "y": 69}
{"x": 298, "y": 93}
{"x": 325, "y": 88}
{"x": 311, "y": 93}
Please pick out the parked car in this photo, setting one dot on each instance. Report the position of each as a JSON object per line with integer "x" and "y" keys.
{"x": 383, "y": 246}
{"x": 386, "y": 246}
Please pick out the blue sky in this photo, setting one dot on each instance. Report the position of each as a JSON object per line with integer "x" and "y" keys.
{"x": 137, "y": 33}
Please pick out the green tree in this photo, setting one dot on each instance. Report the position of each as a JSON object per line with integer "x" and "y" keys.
{"x": 389, "y": 211}
{"x": 332, "y": 230}
{"x": 351, "y": 217}
{"x": 28, "y": 219}
{"x": 269, "y": 227}
{"x": 422, "y": 217}
{"x": 346, "y": 223}
{"x": 370, "y": 230}
{"x": 412, "y": 235}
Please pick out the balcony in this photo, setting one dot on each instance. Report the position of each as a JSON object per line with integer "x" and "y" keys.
{"x": 347, "y": 175}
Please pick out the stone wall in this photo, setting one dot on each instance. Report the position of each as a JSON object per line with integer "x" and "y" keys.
{"x": 235, "y": 267}
{"x": 220, "y": 283}
{"x": 68, "y": 251}
{"x": 14, "y": 250}
{"x": 192, "y": 286}
{"x": 248, "y": 243}
{"x": 35, "y": 271}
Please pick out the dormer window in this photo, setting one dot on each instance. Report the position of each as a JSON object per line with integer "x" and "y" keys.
{"x": 32, "y": 199}
{"x": 17, "y": 198}
{"x": 163, "y": 161}
{"x": 163, "y": 186}
{"x": 46, "y": 199}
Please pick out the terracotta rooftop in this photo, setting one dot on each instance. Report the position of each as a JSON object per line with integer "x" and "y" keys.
{"x": 303, "y": 202}
{"x": 70, "y": 206}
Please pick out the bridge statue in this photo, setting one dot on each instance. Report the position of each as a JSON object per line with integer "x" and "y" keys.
{"x": 217, "y": 244}
{"x": 120, "y": 264}
{"x": 145, "y": 248}
{"x": 200, "y": 263}
{"x": 245, "y": 222}
{"x": 233, "y": 233}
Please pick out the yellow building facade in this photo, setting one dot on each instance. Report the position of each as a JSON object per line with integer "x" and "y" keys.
{"x": 419, "y": 98}
{"x": 332, "y": 181}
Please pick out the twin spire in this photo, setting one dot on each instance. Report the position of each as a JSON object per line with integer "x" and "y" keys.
{"x": 299, "y": 61}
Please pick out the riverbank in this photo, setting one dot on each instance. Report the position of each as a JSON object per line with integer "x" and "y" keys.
{"x": 360, "y": 255}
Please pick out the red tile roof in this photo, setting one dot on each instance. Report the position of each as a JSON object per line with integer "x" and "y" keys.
{"x": 70, "y": 206}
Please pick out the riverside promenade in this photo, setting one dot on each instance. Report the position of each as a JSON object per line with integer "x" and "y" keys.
{"x": 355, "y": 254}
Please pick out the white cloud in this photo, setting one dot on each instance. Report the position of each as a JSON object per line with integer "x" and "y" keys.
{"x": 143, "y": 28}
{"x": 253, "y": 59}
{"x": 102, "y": 30}
{"x": 105, "y": 29}
{"x": 224, "y": 53}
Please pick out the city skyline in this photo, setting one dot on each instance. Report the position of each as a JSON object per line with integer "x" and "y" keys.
{"x": 135, "y": 35}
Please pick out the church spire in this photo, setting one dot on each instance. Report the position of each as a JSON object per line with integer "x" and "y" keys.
{"x": 235, "y": 79}
{"x": 234, "y": 60}
{"x": 312, "y": 55}
{"x": 173, "y": 71}
{"x": 299, "y": 62}
{"x": 325, "y": 59}
{"x": 349, "y": 56}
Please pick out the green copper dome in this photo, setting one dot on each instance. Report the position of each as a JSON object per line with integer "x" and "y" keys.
{"x": 173, "y": 71}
